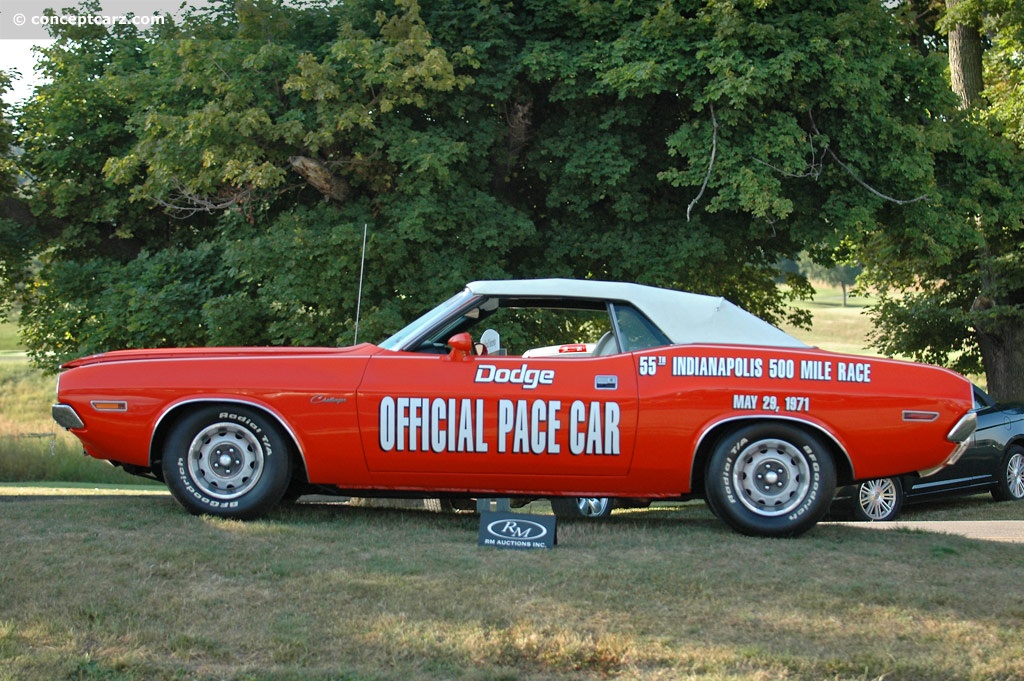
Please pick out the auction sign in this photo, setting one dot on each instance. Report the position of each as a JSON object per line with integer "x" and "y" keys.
{"x": 517, "y": 530}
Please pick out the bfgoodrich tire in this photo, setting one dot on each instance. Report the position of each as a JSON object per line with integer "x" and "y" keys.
{"x": 770, "y": 479}
{"x": 227, "y": 460}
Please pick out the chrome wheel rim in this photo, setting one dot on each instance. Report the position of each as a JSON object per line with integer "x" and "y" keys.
{"x": 1015, "y": 476}
{"x": 877, "y": 498}
{"x": 225, "y": 460}
{"x": 592, "y": 506}
{"x": 771, "y": 477}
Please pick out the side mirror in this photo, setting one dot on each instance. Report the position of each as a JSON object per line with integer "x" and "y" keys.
{"x": 461, "y": 345}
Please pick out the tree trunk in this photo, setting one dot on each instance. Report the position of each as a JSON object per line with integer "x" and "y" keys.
{"x": 1001, "y": 344}
{"x": 965, "y": 62}
{"x": 1002, "y": 353}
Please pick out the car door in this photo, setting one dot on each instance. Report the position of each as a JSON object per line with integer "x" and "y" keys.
{"x": 459, "y": 420}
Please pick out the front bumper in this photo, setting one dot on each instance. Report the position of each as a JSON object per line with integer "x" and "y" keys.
{"x": 66, "y": 417}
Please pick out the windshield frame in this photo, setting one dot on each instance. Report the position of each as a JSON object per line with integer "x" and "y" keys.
{"x": 413, "y": 332}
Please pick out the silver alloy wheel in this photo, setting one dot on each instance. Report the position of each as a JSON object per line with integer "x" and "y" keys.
{"x": 771, "y": 477}
{"x": 1015, "y": 475}
{"x": 225, "y": 460}
{"x": 593, "y": 507}
{"x": 878, "y": 498}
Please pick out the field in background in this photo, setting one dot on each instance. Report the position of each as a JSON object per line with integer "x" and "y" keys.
{"x": 32, "y": 446}
{"x": 836, "y": 328}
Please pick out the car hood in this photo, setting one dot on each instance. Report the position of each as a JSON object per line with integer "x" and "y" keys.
{"x": 216, "y": 353}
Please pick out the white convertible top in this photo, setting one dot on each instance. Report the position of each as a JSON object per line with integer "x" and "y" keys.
{"x": 683, "y": 317}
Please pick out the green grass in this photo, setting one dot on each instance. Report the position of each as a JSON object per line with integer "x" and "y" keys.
{"x": 129, "y": 587}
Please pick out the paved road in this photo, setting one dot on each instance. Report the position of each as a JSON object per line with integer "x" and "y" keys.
{"x": 990, "y": 530}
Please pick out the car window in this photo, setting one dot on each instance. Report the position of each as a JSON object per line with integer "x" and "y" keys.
{"x": 533, "y": 331}
{"x": 534, "y": 327}
{"x": 636, "y": 332}
{"x": 982, "y": 400}
{"x": 518, "y": 326}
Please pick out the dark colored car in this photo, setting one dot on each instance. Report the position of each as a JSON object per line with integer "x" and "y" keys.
{"x": 994, "y": 463}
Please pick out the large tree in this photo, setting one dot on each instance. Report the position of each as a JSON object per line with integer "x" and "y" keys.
{"x": 959, "y": 300}
{"x": 210, "y": 182}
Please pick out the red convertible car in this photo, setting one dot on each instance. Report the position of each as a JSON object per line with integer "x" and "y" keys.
{"x": 526, "y": 388}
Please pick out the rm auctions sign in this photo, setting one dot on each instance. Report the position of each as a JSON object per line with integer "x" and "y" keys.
{"x": 517, "y": 531}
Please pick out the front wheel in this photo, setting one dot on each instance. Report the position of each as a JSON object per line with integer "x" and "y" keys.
{"x": 227, "y": 460}
{"x": 878, "y": 500}
{"x": 1010, "y": 485}
{"x": 581, "y": 507}
{"x": 770, "y": 480}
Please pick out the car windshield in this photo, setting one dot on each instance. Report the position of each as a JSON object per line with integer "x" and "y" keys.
{"x": 448, "y": 307}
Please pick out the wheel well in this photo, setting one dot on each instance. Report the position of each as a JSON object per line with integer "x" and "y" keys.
{"x": 177, "y": 413}
{"x": 844, "y": 470}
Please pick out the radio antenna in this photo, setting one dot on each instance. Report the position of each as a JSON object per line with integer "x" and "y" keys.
{"x": 359, "y": 298}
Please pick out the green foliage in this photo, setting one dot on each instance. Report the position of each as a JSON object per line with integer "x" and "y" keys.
{"x": 150, "y": 301}
{"x": 8, "y": 172}
{"x": 209, "y": 182}
{"x": 955, "y": 295}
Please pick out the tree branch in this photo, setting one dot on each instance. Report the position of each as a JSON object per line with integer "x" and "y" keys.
{"x": 813, "y": 168}
{"x": 184, "y": 204}
{"x": 711, "y": 162}
{"x": 899, "y": 202}
{"x": 849, "y": 171}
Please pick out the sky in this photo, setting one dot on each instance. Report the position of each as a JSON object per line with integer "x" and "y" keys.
{"x": 17, "y": 54}
{"x": 23, "y": 25}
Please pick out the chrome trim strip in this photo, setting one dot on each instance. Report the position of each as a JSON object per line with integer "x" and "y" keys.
{"x": 956, "y": 481}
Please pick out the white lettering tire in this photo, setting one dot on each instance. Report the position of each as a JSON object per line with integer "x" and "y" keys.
{"x": 229, "y": 461}
{"x": 770, "y": 479}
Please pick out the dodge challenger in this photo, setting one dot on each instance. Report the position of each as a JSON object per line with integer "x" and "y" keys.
{"x": 546, "y": 388}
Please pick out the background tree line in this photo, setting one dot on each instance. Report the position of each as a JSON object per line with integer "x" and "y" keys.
{"x": 207, "y": 182}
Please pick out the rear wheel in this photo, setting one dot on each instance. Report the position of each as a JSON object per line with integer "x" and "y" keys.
{"x": 770, "y": 479}
{"x": 878, "y": 500}
{"x": 582, "y": 507}
{"x": 1010, "y": 486}
{"x": 227, "y": 460}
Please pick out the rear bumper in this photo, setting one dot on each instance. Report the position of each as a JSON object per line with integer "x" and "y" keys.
{"x": 961, "y": 434}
